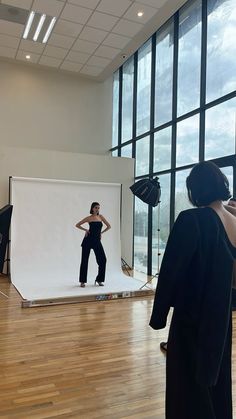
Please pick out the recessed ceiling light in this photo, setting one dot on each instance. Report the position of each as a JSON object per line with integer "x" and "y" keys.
{"x": 140, "y": 14}
{"x": 27, "y": 57}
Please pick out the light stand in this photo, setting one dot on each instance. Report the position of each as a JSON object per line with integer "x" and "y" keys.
{"x": 158, "y": 250}
{"x": 149, "y": 191}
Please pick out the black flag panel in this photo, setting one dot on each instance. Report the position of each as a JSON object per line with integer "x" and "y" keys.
{"x": 5, "y": 221}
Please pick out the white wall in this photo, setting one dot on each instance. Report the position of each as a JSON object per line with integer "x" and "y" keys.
{"x": 55, "y": 111}
{"x": 47, "y": 119}
{"x": 26, "y": 162}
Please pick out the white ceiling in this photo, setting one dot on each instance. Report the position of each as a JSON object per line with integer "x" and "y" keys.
{"x": 90, "y": 38}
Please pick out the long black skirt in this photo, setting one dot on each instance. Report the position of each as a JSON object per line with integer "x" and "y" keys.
{"x": 185, "y": 398}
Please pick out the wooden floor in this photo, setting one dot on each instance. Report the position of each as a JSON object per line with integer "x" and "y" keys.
{"x": 87, "y": 360}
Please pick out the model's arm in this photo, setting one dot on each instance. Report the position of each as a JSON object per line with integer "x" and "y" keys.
{"x": 79, "y": 225}
{"x": 106, "y": 224}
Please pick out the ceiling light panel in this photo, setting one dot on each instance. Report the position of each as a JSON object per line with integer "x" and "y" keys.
{"x": 102, "y": 21}
{"x": 13, "y": 14}
{"x": 69, "y": 66}
{"x": 76, "y": 13}
{"x": 9, "y": 41}
{"x": 91, "y": 4}
{"x": 132, "y": 13}
{"x": 24, "y": 4}
{"x": 31, "y": 46}
{"x": 39, "y": 27}
{"x": 63, "y": 27}
{"x": 49, "y": 7}
{"x": 50, "y": 61}
{"x": 7, "y": 52}
{"x": 116, "y": 8}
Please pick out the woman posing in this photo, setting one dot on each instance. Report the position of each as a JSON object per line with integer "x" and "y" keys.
{"x": 92, "y": 240}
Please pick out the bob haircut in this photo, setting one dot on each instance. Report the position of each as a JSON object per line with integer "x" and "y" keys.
{"x": 94, "y": 204}
{"x": 206, "y": 183}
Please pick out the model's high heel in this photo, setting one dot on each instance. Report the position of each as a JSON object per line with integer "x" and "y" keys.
{"x": 82, "y": 284}
{"x": 99, "y": 283}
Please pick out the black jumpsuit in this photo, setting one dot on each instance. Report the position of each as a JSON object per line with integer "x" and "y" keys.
{"x": 93, "y": 241}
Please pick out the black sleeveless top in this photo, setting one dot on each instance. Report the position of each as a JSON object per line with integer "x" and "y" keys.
{"x": 95, "y": 228}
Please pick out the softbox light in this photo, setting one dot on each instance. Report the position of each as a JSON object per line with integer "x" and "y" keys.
{"x": 5, "y": 220}
{"x": 148, "y": 190}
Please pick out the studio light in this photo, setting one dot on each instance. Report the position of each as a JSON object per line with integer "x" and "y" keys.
{"x": 148, "y": 190}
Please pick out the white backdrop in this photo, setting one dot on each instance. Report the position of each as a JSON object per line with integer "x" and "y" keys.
{"x": 46, "y": 245}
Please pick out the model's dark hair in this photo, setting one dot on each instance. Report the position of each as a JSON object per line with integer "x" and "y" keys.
{"x": 94, "y": 204}
{"x": 206, "y": 183}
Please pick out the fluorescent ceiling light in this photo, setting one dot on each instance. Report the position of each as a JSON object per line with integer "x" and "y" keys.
{"x": 40, "y": 24}
{"x": 47, "y": 34}
{"x": 140, "y": 14}
{"x": 27, "y": 57}
{"x": 28, "y": 25}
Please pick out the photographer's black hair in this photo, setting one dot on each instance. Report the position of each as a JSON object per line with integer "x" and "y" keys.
{"x": 206, "y": 183}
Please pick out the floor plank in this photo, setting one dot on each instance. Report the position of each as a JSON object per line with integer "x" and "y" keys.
{"x": 88, "y": 360}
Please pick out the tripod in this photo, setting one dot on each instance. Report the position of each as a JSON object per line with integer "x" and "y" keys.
{"x": 158, "y": 251}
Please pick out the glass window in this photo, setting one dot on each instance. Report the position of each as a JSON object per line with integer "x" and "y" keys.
{"x": 161, "y": 221}
{"x": 144, "y": 88}
{"x": 126, "y": 151}
{"x": 228, "y": 172}
{"x": 140, "y": 235}
{"x": 187, "y": 141}
{"x": 116, "y": 85}
{"x": 114, "y": 153}
{"x": 127, "y": 100}
{"x": 220, "y": 130}
{"x": 142, "y": 156}
{"x": 164, "y": 75}
{"x": 162, "y": 150}
{"x": 221, "y": 48}
{"x": 189, "y": 58}
{"x": 181, "y": 194}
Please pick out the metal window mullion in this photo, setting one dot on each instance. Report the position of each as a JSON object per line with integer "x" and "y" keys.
{"x": 151, "y": 149}
{"x": 134, "y": 133}
{"x": 135, "y": 103}
{"x": 174, "y": 117}
{"x": 120, "y": 110}
{"x": 203, "y": 82}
